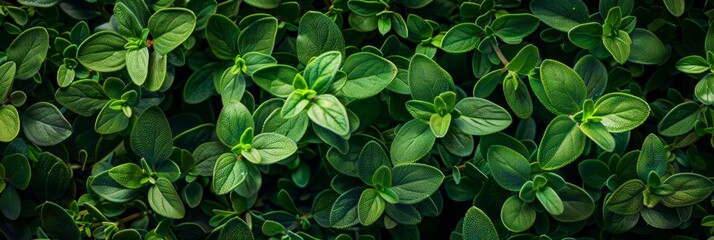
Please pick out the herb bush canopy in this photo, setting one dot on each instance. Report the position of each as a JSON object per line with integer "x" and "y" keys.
{"x": 356, "y": 119}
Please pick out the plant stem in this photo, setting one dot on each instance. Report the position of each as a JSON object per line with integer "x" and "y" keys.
{"x": 500, "y": 54}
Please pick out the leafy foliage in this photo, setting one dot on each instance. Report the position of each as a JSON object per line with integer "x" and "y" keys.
{"x": 356, "y": 119}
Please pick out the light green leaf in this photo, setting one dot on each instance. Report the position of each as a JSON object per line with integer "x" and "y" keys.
{"x": 103, "y": 52}
{"x": 564, "y": 88}
{"x": 370, "y": 207}
{"x": 233, "y": 120}
{"x": 28, "y": 50}
{"x": 676, "y": 7}
{"x": 653, "y": 157}
{"x": 265, "y": 4}
{"x": 586, "y": 35}
{"x": 328, "y": 112}
{"x": 525, "y": 60}
{"x": 110, "y": 121}
{"x": 692, "y": 64}
{"x": 481, "y": 117}
{"x": 128, "y": 175}
{"x": 413, "y": 141}
{"x": 137, "y": 64}
{"x": 477, "y": 226}
{"x": 439, "y": 125}
{"x": 517, "y": 215}
{"x": 228, "y": 173}
{"x": 320, "y": 72}
{"x": 367, "y": 75}
{"x": 461, "y": 38}
{"x": 597, "y": 132}
{"x": 65, "y": 76}
{"x": 273, "y": 147}
{"x": 232, "y": 85}
{"x": 618, "y": 45}
{"x": 276, "y": 79}
{"x": 562, "y": 143}
{"x": 10, "y": 119}
{"x": 550, "y": 200}
{"x": 7, "y": 75}
{"x": 170, "y": 27}
{"x": 164, "y": 200}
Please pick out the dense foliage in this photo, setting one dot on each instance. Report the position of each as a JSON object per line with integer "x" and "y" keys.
{"x": 356, "y": 119}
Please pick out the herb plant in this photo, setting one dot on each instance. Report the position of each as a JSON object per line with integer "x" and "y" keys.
{"x": 356, "y": 119}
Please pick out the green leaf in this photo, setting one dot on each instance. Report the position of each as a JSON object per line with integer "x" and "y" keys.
{"x": 690, "y": 189}
{"x": 517, "y": 96}
{"x": 151, "y": 137}
{"x": 45, "y": 125}
{"x": 265, "y": 4}
{"x": 367, "y": 75}
{"x": 676, "y": 7}
{"x": 413, "y": 141}
{"x": 477, "y": 226}
{"x": 103, "y": 52}
{"x": 594, "y": 75}
{"x": 328, "y": 112}
{"x": 597, "y": 132}
{"x": 550, "y": 200}
{"x": 586, "y": 35}
{"x": 627, "y": 199}
{"x": 39, "y": 3}
{"x": 562, "y": 15}
{"x": 509, "y": 168}
{"x": 647, "y": 48}
{"x": 28, "y": 50}
{"x": 128, "y": 24}
{"x": 461, "y": 38}
{"x": 7, "y": 75}
{"x": 228, "y": 173}
{"x": 653, "y": 157}
{"x": 273, "y": 147}
{"x": 157, "y": 71}
{"x": 233, "y": 120}
{"x": 104, "y": 186}
{"x": 704, "y": 91}
{"x": 128, "y": 175}
{"x": 317, "y": 34}
{"x": 232, "y": 85}
{"x": 525, "y": 60}
{"x": 414, "y": 182}
{"x": 370, "y": 207}
{"x": 514, "y": 27}
{"x": 137, "y": 64}
{"x": 370, "y": 159}
{"x": 57, "y": 222}
{"x": 65, "y": 76}
{"x": 10, "y": 203}
{"x": 439, "y": 125}
{"x": 618, "y": 45}
{"x": 564, "y": 88}
{"x": 577, "y": 204}
{"x": 365, "y": 8}
{"x": 345, "y": 210}
{"x": 237, "y": 229}
{"x": 320, "y": 72}
{"x": 679, "y": 120}
{"x": 427, "y": 79}
{"x": 272, "y": 228}
{"x": 110, "y": 121}
{"x": 481, "y": 117}
{"x": 222, "y": 36}
{"x": 164, "y": 200}
{"x": 562, "y": 143}
{"x": 692, "y": 64}
{"x": 170, "y": 27}
{"x": 259, "y": 36}
{"x": 276, "y": 79}
{"x": 517, "y": 215}
{"x": 17, "y": 170}
{"x": 51, "y": 177}
{"x": 10, "y": 119}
